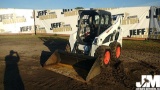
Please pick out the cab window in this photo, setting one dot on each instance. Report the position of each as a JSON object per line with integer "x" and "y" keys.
{"x": 96, "y": 19}
{"x": 106, "y": 19}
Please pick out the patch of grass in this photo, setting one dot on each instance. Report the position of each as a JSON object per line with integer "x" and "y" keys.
{"x": 32, "y": 36}
{"x": 146, "y": 46}
{"x": 17, "y": 37}
{"x": 54, "y": 38}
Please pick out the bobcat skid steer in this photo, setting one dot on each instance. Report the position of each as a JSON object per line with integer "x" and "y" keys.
{"x": 95, "y": 45}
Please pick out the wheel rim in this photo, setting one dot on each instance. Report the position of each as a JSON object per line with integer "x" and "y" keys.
{"x": 107, "y": 57}
{"x": 118, "y": 52}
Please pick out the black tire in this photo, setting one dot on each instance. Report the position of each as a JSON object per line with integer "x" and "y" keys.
{"x": 115, "y": 51}
{"x": 100, "y": 53}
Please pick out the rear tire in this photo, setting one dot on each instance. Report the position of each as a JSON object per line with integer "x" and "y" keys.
{"x": 115, "y": 51}
{"x": 104, "y": 54}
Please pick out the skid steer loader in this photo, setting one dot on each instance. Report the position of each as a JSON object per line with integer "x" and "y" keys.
{"x": 95, "y": 45}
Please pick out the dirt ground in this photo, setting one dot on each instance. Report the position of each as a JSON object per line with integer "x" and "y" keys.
{"x": 25, "y": 72}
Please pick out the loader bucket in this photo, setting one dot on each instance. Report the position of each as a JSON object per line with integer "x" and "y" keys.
{"x": 79, "y": 67}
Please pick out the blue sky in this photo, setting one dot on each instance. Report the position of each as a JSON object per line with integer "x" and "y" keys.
{"x": 68, "y": 4}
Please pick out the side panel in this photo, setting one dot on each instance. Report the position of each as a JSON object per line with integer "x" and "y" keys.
{"x": 113, "y": 33}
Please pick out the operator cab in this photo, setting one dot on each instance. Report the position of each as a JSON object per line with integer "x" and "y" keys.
{"x": 91, "y": 24}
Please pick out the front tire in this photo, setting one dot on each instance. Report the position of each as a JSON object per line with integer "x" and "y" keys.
{"x": 104, "y": 54}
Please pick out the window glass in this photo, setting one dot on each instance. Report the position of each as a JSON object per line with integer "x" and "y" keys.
{"x": 106, "y": 19}
{"x": 97, "y": 19}
{"x": 84, "y": 20}
{"x": 102, "y": 21}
